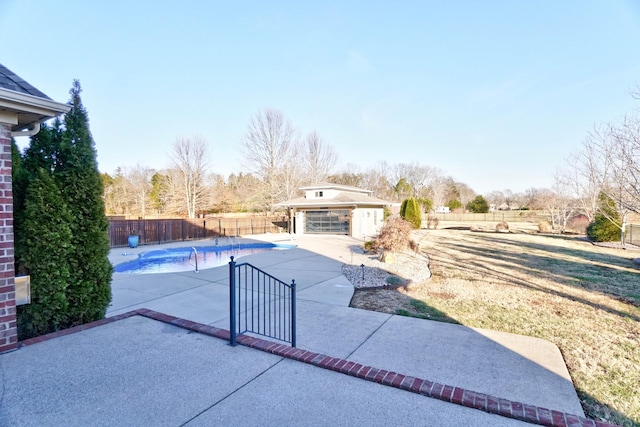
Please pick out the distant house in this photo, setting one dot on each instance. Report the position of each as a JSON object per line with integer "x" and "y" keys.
{"x": 443, "y": 209}
{"x": 336, "y": 209}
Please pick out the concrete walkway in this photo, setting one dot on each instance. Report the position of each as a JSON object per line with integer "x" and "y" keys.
{"x": 138, "y": 371}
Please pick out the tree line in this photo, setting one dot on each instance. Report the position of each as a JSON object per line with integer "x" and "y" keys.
{"x": 278, "y": 162}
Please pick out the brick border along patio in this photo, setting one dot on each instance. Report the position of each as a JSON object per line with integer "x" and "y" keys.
{"x": 448, "y": 393}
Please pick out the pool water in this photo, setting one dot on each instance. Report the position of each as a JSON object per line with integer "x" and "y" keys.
{"x": 172, "y": 260}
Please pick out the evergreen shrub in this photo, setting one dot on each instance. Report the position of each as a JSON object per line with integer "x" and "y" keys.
{"x": 46, "y": 241}
{"x": 601, "y": 229}
{"x": 410, "y": 212}
{"x": 478, "y": 205}
{"x": 60, "y": 227}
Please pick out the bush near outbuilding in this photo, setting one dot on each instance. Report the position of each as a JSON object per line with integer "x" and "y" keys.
{"x": 410, "y": 212}
{"x": 394, "y": 235}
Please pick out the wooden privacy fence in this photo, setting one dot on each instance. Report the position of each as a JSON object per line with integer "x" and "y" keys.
{"x": 152, "y": 231}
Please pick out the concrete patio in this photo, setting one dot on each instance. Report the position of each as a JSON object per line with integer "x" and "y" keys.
{"x": 137, "y": 370}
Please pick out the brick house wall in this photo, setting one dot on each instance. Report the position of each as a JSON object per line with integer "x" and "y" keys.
{"x": 8, "y": 329}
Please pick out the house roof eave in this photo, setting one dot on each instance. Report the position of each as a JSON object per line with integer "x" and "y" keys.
{"x": 29, "y": 109}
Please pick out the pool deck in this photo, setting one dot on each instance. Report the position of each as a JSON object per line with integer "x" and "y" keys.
{"x": 136, "y": 368}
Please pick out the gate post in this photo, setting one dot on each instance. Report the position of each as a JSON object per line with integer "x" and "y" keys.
{"x": 293, "y": 313}
{"x": 232, "y": 303}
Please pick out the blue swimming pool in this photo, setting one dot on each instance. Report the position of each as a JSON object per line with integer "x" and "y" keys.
{"x": 172, "y": 260}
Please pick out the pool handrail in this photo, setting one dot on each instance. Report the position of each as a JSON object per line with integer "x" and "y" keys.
{"x": 194, "y": 251}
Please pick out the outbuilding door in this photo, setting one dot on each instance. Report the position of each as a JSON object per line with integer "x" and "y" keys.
{"x": 329, "y": 221}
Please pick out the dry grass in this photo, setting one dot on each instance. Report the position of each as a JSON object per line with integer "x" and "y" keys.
{"x": 581, "y": 297}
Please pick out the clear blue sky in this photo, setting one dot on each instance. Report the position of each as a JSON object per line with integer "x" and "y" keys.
{"x": 494, "y": 93}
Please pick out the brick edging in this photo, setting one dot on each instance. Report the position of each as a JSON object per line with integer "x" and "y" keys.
{"x": 182, "y": 323}
{"x": 456, "y": 395}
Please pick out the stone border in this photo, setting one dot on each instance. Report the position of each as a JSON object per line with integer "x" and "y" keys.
{"x": 456, "y": 395}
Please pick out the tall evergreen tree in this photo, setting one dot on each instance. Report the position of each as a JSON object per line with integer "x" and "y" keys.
{"x": 60, "y": 225}
{"x": 40, "y": 155}
{"x": 19, "y": 183}
{"x": 45, "y": 242}
{"x": 76, "y": 173}
{"x": 410, "y": 212}
{"x": 403, "y": 207}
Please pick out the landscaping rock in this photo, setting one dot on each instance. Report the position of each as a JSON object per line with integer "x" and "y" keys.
{"x": 502, "y": 227}
{"x": 388, "y": 257}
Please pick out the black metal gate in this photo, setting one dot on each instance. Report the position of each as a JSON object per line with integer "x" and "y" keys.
{"x": 261, "y": 304}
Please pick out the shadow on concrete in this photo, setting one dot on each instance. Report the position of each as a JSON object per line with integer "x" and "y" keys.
{"x": 425, "y": 349}
{"x": 538, "y": 258}
{"x": 368, "y": 298}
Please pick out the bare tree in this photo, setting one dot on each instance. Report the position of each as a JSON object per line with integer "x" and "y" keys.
{"x": 319, "y": 158}
{"x": 350, "y": 176}
{"x": 172, "y": 196}
{"x": 607, "y": 156}
{"x": 376, "y": 179}
{"x": 214, "y": 190}
{"x": 531, "y": 198}
{"x": 268, "y": 145}
{"x": 547, "y": 202}
{"x": 495, "y": 198}
{"x": 508, "y": 198}
{"x": 190, "y": 159}
{"x": 465, "y": 193}
{"x": 291, "y": 176}
{"x": 139, "y": 178}
{"x": 109, "y": 193}
{"x": 562, "y": 205}
{"x": 118, "y": 194}
{"x": 417, "y": 176}
{"x": 245, "y": 190}
{"x": 624, "y": 158}
{"x": 582, "y": 174}
{"x": 610, "y": 163}
{"x": 437, "y": 190}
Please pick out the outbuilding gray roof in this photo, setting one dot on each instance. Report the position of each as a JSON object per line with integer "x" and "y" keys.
{"x": 11, "y": 81}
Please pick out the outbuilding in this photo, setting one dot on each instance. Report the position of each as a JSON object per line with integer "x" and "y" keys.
{"x": 336, "y": 209}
